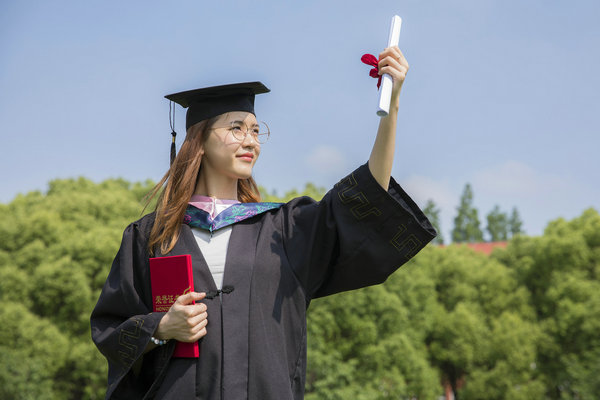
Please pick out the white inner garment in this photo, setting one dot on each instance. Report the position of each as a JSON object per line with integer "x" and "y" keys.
{"x": 214, "y": 250}
{"x": 214, "y": 247}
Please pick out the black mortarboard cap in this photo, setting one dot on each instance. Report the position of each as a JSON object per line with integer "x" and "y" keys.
{"x": 216, "y": 100}
{"x": 211, "y": 101}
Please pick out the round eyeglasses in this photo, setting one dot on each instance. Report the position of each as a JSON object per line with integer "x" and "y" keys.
{"x": 259, "y": 132}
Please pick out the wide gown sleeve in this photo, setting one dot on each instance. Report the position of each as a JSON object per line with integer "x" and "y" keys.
{"x": 356, "y": 236}
{"x": 123, "y": 322}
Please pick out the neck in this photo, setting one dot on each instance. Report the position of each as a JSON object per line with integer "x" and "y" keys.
{"x": 216, "y": 185}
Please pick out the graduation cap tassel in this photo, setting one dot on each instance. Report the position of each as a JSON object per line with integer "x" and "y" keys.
{"x": 173, "y": 133}
{"x": 173, "y": 150}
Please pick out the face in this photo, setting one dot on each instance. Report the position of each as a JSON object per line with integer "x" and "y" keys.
{"x": 223, "y": 154}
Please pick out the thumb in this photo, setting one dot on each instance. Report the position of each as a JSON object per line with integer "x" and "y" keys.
{"x": 190, "y": 298}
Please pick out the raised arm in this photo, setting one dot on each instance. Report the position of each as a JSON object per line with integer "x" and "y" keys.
{"x": 392, "y": 62}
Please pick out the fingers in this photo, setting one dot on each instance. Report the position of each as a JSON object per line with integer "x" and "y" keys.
{"x": 187, "y": 314}
{"x": 197, "y": 328}
{"x": 191, "y": 310}
{"x": 396, "y": 73}
{"x": 183, "y": 327}
{"x": 392, "y": 60}
{"x": 395, "y": 53}
{"x": 190, "y": 297}
{"x": 194, "y": 338}
{"x": 186, "y": 321}
{"x": 393, "y": 63}
{"x": 393, "y": 57}
{"x": 193, "y": 322}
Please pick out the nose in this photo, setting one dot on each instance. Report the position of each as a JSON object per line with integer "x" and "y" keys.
{"x": 249, "y": 141}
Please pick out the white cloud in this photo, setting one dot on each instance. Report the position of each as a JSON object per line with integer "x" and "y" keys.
{"x": 423, "y": 188}
{"x": 518, "y": 180}
{"x": 538, "y": 195}
{"x": 327, "y": 160}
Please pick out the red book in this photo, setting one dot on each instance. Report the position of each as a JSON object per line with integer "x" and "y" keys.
{"x": 170, "y": 278}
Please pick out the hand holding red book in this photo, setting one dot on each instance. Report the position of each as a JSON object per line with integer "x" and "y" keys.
{"x": 170, "y": 278}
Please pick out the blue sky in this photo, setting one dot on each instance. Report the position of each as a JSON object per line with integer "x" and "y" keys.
{"x": 504, "y": 95}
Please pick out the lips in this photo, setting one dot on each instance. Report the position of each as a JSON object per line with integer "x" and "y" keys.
{"x": 246, "y": 156}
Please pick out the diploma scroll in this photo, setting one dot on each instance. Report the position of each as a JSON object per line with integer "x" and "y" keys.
{"x": 385, "y": 96}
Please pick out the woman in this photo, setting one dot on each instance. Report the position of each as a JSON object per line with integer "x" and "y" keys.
{"x": 261, "y": 263}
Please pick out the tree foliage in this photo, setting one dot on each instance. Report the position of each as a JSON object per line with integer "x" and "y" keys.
{"x": 561, "y": 271}
{"x": 433, "y": 214}
{"x": 497, "y": 225}
{"x": 501, "y": 226}
{"x": 520, "y": 324}
{"x": 310, "y": 190}
{"x": 55, "y": 252}
{"x": 515, "y": 224}
{"x": 466, "y": 223}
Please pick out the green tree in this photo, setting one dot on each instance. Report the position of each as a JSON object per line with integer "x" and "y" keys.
{"x": 433, "y": 214}
{"x": 466, "y": 223}
{"x": 368, "y": 344}
{"x": 473, "y": 293}
{"x": 497, "y": 225}
{"x": 32, "y": 352}
{"x": 515, "y": 224}
{"x": 310, "y": 190}
{"x": 520, "y": 324}
{"x": 55, "y": 252}
{"x": 561, "y": 271}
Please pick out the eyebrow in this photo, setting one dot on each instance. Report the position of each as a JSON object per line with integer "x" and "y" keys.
{"x": 242, "y": 122}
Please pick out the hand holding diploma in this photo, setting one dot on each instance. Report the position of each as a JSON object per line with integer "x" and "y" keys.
{"x": 393, "y": 63}
{"x": 386, "y": 88}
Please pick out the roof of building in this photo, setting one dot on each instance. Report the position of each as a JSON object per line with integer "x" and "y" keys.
{"x": 483, "y": 247}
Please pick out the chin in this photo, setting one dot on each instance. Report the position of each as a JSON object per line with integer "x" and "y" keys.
{"x": 244, "y": 174}
{"x": 244, "y": 171}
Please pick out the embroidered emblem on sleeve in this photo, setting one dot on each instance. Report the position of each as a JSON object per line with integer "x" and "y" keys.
{"x": 127, "y": 337}
{"x": 408, "y": 245}
{"x": 359, "y": 204}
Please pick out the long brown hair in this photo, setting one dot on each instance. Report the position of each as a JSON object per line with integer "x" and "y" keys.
{"x": 179, "y": 183}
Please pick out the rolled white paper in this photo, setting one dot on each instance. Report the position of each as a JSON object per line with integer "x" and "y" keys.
{"x": 385, "y": 95}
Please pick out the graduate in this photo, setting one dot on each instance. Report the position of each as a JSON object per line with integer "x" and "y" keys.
{"x": 256, "y": 266}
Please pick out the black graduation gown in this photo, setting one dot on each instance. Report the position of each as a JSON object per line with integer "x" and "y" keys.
{"x": 277, "y": 261}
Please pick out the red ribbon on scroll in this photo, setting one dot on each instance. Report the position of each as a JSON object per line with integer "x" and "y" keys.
{"x": 370, "y": 59}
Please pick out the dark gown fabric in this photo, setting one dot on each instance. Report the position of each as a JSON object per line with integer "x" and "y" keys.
{"x": 255, "y": 347}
